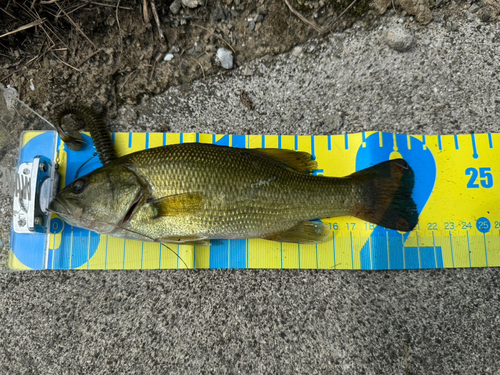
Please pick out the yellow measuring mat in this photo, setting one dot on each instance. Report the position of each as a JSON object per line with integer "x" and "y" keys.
{"x": 457, "y": 193}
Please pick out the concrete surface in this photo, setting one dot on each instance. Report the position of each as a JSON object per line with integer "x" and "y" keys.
{"x": 290, "y": 322}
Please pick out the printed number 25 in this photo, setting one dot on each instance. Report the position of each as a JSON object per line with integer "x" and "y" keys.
{"x": 486, "y": 178}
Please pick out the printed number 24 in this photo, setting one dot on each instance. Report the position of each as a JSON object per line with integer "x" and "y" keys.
{"x": 486, "y": 178}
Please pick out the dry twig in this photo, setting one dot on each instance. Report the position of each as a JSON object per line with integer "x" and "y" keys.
{"x": 157, "y": 20}
{"x": 89, "y": 57}
{"x": 340, "y": 16}
{"x": 27, "y": 26}
{"x": 145, "y": 10}
{"x": 75, "y": 25}
{"x": 119, "y": 28}
{"x": 303, "y": 19}
{"x": 8, "y": 13}
{"x": 65, "y": 63}
{"x": 110, "y": 5}
{"x": 201, "y": 67}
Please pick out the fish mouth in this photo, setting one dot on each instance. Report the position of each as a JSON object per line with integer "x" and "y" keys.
{"x": 59, "y": 207}
{"x": 63, "y": 209}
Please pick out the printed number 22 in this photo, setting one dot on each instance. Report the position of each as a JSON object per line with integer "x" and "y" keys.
{"x": 486, "y": 178}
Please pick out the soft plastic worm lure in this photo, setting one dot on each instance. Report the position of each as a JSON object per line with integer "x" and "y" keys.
{"x": 98, "y": 131}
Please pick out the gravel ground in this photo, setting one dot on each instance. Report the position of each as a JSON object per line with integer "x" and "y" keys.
{"x": 338, "y": 322}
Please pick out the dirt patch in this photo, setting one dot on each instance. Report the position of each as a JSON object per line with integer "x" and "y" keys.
{"x": 105, "y": 55}
{"x": 96, "y": 53}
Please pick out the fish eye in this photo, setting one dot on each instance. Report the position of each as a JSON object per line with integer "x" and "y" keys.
{"x": 78, "y": 186}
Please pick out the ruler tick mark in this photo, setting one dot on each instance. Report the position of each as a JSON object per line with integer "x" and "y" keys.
{"x": 468, "y": 248}
{"x": 474, "y": 147}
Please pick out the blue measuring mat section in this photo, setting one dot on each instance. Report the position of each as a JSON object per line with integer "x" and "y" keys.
{"x": 455, "y": 192}
{"x": 238, "y": 253}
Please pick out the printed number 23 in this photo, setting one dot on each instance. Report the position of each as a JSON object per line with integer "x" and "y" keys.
{"x": 486, "y": 178}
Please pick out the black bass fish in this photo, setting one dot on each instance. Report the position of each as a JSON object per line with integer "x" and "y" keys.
{"x": 190, "y": 193}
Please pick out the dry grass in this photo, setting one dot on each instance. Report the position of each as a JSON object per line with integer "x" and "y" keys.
{"x": 46, "y": 24}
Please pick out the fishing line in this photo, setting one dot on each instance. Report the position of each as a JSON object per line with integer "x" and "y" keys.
{"x": 140, "y": 234}
{"x": 152, "y": 239}
{"x": 81, "y": 166}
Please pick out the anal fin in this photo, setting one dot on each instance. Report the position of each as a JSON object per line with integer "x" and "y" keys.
{"x": 307, "y": 232}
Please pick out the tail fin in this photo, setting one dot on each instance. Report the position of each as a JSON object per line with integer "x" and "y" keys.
{"x": 386, "y": 192}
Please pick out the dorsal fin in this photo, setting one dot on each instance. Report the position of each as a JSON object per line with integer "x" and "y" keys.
{"x": 175, "y": 205}
{"x": 297, "y": 160}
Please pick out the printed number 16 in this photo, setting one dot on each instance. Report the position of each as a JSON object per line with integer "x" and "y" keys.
{"x": 486, "y": 178}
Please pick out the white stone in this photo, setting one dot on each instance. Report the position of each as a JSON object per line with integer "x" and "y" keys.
{"x": 225, "y": 57}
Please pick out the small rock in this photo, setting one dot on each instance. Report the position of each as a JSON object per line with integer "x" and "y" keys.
{"x": 251, "y": 26}
{"x": 484, "y": 16}
{"x": 453, "y": 26}
{"x": 195, "y": 50}
{"x": 184, "y": 66}
{"x": 248, "y": 71}
{"x": 398, "y": 39}
{"x": 332, "y": 123}
{"x": 175, "y": 7}
{"x": 168, "y": 57}
{"x": 191, "y": 3}
{"x": 219, "y": 14}
{"x": 225, "y": 57}
{"x": 259, "y": 18}
{"x": 470, "y": 16}
{"x": 175, "y": 49}
{"x": 474, "y": 8}
{"x": 297, "y": 51}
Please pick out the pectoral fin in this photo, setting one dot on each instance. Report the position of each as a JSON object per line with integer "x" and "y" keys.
{"x": 307, "y": 232}
{"x": 176, "y": 205}
{"x": 186, "y": 240}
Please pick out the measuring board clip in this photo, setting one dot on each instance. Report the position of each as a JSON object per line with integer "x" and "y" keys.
{"x": 35, "y": 186}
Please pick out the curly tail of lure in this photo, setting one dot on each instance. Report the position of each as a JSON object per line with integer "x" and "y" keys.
{"x": 98, "y": 131}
